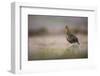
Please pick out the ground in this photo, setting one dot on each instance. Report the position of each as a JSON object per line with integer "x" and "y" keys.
{"x": 56, "y": 47}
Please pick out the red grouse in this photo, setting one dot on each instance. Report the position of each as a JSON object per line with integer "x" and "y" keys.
{"x": 71, "y": 38}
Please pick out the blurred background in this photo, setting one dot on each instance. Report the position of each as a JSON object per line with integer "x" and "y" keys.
{"x": 55, "y": 24}
{"x": 47, "y": 39}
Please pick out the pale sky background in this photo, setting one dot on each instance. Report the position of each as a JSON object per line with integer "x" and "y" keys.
{"x": 56, "y": 22}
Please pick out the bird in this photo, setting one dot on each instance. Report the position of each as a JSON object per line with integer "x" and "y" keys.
{"x": 71, "y": 38}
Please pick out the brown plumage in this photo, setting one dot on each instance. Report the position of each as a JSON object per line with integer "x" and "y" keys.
{"x": 71, "y": 38}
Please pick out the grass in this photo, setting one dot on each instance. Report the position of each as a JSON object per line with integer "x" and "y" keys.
{"x": 73, "y": 51}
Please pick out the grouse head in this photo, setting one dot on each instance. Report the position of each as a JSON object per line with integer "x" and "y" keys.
{"x": 67, "y": 29}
